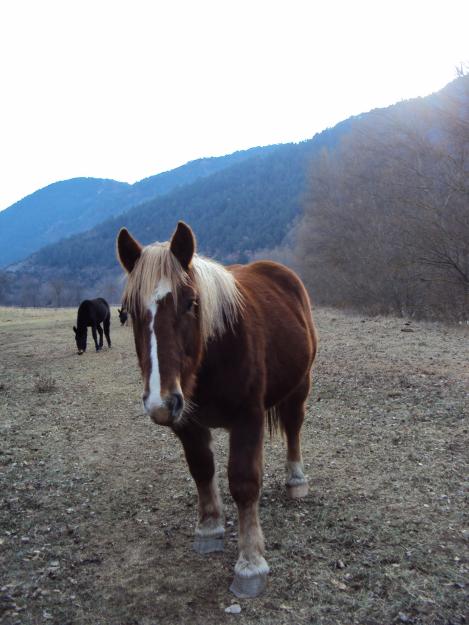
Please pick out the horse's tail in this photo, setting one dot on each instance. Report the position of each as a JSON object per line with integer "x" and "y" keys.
{"x": 274, "y": 422}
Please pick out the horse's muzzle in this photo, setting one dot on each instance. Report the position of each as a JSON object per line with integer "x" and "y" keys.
{"x": 169, "y": 412}
{"x": 80, "y": 352}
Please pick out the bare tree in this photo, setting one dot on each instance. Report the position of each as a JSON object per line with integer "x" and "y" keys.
{"x": 110, "y": 290}
{"x": 57, "y": 287}
{"x": 386, "y": 224}
{"x": 5, "y": 284}
{"x": 29, "y": 295}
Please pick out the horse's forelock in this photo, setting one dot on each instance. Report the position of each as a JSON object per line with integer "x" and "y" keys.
{"x": 155, "y": 264}
{"x": 219, "y": 298}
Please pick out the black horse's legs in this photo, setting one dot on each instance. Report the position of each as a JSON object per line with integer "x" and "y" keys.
{"x": 106, "y": 325}
{"x": 95, "y": 337}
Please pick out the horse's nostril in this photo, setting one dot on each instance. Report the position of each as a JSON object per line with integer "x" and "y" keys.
{"x": 176, "y": 404}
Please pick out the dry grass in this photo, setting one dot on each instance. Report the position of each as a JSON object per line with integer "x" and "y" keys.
{"x": 98, "y": 510}
{"x": 45, "y": 384}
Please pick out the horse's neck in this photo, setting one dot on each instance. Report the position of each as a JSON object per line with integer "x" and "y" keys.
{"x": 81, "y": 323}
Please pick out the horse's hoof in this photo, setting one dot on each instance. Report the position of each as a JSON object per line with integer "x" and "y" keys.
{"x": 208, "y": 544}
{"x": 250, "y": 577}
{"x": 248, "y": 587}
{"x": 209, "y": 539}
{"x": 297, "y": 491}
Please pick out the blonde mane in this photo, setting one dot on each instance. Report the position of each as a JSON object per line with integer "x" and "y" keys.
{"x": 220, "y": 300}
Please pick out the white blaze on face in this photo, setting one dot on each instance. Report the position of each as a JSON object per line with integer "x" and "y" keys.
{"x": 154, "y": 399}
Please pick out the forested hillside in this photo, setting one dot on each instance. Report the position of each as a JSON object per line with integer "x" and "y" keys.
{"x": 246, "y": 206}
{"x": 386, "y": 225}
{"x": 233, "y": 213}
{"x": 65, "y": 208}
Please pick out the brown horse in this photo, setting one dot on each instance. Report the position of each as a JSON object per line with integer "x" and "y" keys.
{"x": 228, "y": 347}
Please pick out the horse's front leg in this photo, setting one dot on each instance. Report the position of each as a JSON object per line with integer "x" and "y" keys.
{"x": 210, "y": 531}
{"x": 95, "y": 337}
{"x": 245, "y": 477}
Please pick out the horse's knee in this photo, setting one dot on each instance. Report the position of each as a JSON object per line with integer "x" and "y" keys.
{"x": 245, "y": 488}
{"x": 245, "y": 466}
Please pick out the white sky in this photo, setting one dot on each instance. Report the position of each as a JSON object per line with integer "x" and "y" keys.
{"x": 125, "y": 89}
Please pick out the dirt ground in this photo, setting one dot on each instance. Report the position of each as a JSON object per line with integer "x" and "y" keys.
{"x": 98, "y": 510}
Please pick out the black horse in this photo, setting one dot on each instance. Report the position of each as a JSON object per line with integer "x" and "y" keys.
{"x": 123, "y": 316}
{"x": 92, "y": 312}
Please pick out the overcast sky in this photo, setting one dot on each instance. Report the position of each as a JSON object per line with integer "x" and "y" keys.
{"x": 127, "y": 89}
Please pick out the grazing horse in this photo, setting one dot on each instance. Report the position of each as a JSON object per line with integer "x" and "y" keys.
{"x": 123, "y": 316}
{"x": 228, "y": 347}
{"x": 92, "y": 312}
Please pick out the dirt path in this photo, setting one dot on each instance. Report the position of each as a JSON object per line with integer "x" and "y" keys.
{"x": 98, "y": 510}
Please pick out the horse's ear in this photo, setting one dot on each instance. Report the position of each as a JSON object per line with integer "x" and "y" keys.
{"x": 119, "y": 311}
{"x": 183, "y": 244}
{"x": 74, "y": 329}
{"x": 128, "y": 250}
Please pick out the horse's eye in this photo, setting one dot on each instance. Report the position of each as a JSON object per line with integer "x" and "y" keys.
{"x": 191, "y": 304}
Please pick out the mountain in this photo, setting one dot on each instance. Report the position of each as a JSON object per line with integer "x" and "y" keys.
{"x": 238, "y": 208}
{"x": 234, "y": 212}
{"x": 71, "y": 206}
{"x": 237, "y": 205}
{"x": 56, "y": 211}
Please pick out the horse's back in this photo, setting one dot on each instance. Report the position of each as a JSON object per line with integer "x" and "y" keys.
{"x": 102, "y": 304}
{"x": 279, "y": 315}
{"x": 276, "y": 290}
{"x": 274, "y": 277}
{"x": 93, "y": 311}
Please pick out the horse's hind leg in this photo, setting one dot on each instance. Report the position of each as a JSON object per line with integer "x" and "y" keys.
{"x": 292, "y": 412}
{"x": 210, "y": 531}
{"x": 100, "y": 332}
{"x": 107, "y": 326}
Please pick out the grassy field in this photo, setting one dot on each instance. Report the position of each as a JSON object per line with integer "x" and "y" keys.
{"x": 98, "y": 509}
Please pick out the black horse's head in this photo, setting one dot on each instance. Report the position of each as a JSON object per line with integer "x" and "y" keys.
{"x": 123, "y": 315}
{"x": 80, "y": 339}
